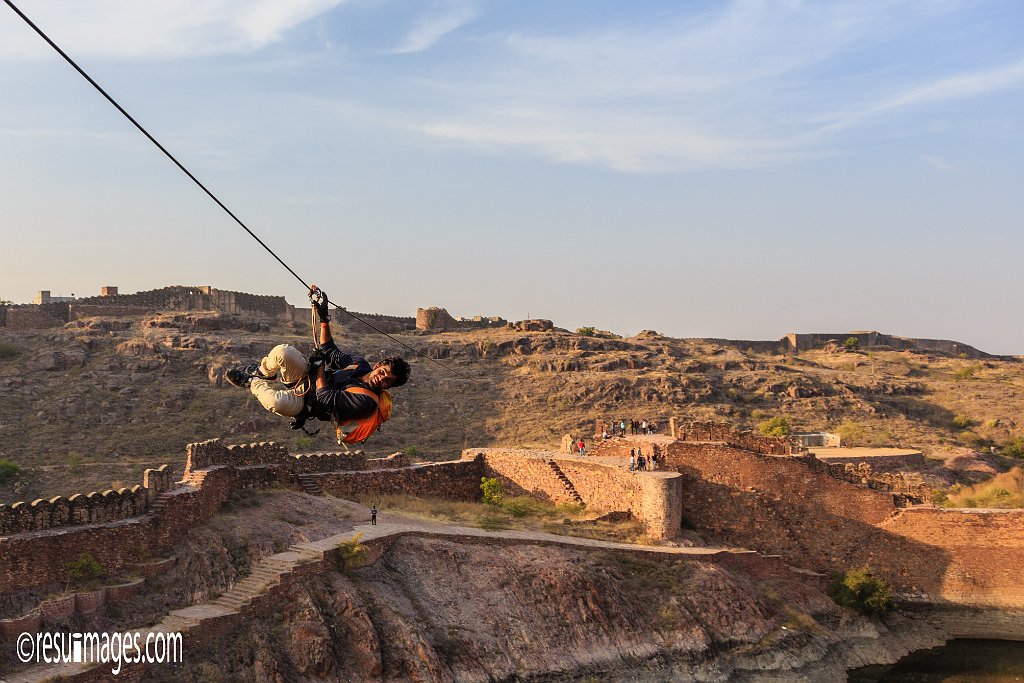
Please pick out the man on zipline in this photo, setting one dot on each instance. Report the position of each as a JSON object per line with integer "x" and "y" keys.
{"x": 337, "y": 386}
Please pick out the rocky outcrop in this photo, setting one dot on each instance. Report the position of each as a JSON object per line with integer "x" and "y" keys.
{"x": 433, "y": 609}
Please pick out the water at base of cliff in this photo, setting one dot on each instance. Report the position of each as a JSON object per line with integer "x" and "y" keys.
{"x": 958, "y": 661}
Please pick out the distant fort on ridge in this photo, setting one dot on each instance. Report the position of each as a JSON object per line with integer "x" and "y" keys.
{"x": 48, "y": 311}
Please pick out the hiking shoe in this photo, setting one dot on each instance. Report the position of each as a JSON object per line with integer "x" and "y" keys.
{"x": 242, "y": 377}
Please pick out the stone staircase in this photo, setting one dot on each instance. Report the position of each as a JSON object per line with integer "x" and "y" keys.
{"x": 310, "y": 485}
{"x": 159, "y": 503}
{"x": 570, "y": 490}
{"x": 266, "y": 574}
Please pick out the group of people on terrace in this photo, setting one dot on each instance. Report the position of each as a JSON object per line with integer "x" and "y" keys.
{"x": 638, "y": 462}
{"x": 618, "y": 428}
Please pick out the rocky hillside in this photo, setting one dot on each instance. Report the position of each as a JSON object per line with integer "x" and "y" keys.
{"x": 449, "y": 608}
{"x": 101, "y": 399}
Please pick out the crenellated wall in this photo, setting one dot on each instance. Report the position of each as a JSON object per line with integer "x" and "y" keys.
{"x": 85, "y": 508}
{"x": 120, "y": 527}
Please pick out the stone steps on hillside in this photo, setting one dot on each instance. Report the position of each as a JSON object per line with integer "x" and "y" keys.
{"x": 310, "y": 484}
{"x": 566, "y": 483}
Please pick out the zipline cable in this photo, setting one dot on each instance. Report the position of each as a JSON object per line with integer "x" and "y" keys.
{"x": 212, "y": 196}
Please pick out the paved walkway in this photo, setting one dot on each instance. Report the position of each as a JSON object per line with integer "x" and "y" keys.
{"x": 270, "y": 570}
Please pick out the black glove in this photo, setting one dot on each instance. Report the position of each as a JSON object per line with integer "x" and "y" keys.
{"x": 319, "y": 300}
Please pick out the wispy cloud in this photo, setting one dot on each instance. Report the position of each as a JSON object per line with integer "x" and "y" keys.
{"x": 954, "y": 87}
{"x": 168, "y": 28}
{"x": 739, "y": 86}
{"x": 938, "y": 163}
{"x": 431, "y": 29}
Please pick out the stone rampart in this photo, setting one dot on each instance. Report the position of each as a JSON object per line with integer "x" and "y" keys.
{"x": 85, "y": 508}
{"x": 436, "y": 319}
{"x": 121, "y": 527}
{"x": 653, "y": 498}
{"x": 385, "y": 323}
{"x": 311, "y": 463}
{"x": 77, "y": 311}
{"x": 803, "y": 342}
{"x": 911, "y": 490}
{"x": 200, "y": 456}
{"x": 456, "y": 480}
{"x": 176, "y": 298}
{"x": 793, "y": 507}
{"x": 723, "y": 432}
{"x": 985, "y": 550}
{"x": 32, "y": 317}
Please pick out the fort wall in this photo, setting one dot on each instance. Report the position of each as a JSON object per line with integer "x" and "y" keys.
{"x": 458, "y": 480}
{"x": 121, "y": 527}
{"x": 653, "y": 498}
{"x": 385, "y": 323}
{"x": 803, "y": 342}
{"x": 85, "y": 508}
{"x": 792, "y": 506}
{"x": 722, "y": 432}
{"x": 175, "y": 298}
{"x": 30, "y": 317}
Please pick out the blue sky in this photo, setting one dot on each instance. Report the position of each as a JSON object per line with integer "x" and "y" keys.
{"x": 733, "y": 169}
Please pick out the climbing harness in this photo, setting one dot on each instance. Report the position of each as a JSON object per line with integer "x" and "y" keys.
{"x": 212, "y": 196}
{"x": 352, "y": 430}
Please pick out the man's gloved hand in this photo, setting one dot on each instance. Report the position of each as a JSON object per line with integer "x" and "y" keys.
{"x": 319, "y": 300}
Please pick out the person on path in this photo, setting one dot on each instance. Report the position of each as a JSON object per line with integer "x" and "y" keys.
{"x": 373, "y": 516}
{"x": 583, "y": 448}
{"x": 632, "y": 461}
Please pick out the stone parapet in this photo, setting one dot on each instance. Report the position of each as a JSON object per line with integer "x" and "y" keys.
{"x": 81, "y": 508}
{"x": 723, "y": 432}
{"x": 653, "y": 498}
{"x": 456, "y": 480}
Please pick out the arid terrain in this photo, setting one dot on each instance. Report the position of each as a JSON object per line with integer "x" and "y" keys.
{"x": 449, "y": 607}
{"x": 101, "y": 399}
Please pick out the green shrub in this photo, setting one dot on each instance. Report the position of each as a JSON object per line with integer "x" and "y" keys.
{"x": 411, "y": 451}
{"x": 962, "y": 422}
{"x": 351, "y": 554}
{"x": 304, "y": 442}
{"x": 852, "y": 433}
{"x": 8, "y": 471}
{"x": 965, "y": 372}
{"x": 83, "y": 572}
{"x": 492, "y": 490}
{"x": 851, "y": 344}
{"x": 969, "y": 438}
{"x": 492, "y": 522}
{"x": 862, "y": 591}
{"x": 586, "y": 331}
{"x": 8, "y": 351}
{"x": 1014, "y": 447}
{"x": 777, "y": 426}
{"x": 519, "y": 507}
